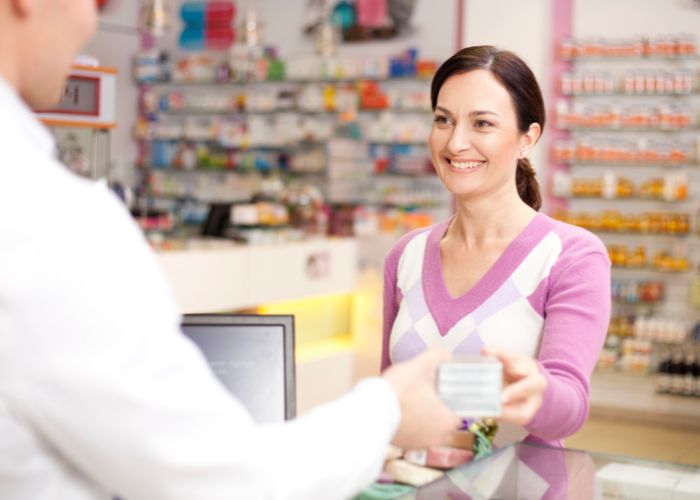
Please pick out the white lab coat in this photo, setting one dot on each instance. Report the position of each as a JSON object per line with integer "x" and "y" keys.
{"x": 100, "y": 393}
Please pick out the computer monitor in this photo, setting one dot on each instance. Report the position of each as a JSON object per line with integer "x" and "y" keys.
{"x": 253, "y": 356}
{"x": 217, "y": 219}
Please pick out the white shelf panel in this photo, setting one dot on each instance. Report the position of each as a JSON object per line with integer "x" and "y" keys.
{"x": 227, "y": 276}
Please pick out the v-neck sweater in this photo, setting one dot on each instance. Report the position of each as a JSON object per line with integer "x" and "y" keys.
{"x": 547, "y": 296}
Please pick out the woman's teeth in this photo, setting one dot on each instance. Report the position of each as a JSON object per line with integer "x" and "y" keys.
{"x": 466, "y": 165}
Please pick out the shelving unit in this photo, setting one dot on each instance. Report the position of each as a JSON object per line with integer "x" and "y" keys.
{"x": 246, "y": 132}
{"x": 650, "y": 153}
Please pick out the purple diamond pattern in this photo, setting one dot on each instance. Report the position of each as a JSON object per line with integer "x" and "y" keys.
{"x": 503, "y": 297}
{"x": 409, "y": 345}
{"x": 471, "y": 345}
{"x": 415, "y": 300}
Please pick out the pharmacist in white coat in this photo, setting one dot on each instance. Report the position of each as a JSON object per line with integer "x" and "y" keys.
{"x": 100, "y": 394}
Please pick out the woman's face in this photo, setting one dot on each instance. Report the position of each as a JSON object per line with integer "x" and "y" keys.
{"x": 475, "y": 141}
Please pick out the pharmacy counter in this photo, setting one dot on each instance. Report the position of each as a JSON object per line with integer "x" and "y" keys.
{"x": 216, "y": 276}
{"x": 534, "y": 472}
{"x": 219, "y": 276}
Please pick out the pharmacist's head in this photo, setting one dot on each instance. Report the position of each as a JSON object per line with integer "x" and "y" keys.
{"x": 38, "y": 41}
{"x": 489, "y": 114}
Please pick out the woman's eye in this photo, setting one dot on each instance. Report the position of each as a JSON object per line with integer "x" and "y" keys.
{"x": 440, "y": 120}
{"x": 482, "y": 124}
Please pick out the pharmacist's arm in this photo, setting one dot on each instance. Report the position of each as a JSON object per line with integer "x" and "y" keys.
{"x": 577, "y": 313}
{"x": 152, "y": 430}
{"x": 97, "y": 368}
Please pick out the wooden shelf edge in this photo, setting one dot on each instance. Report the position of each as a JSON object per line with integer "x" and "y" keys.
{"x": 68, "y": 123}
{"x": 96, "y": 69}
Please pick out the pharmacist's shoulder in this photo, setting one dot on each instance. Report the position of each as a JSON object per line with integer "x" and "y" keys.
{"x": 66, "y": 217}
{"x": 47, "y": 198}
{"x": 35, "y": 181}
{"x": 73, "y": 242}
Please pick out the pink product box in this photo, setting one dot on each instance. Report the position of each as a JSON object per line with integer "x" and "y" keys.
{"x": 371, "y": 13}
{"x": 439, "y": 457}
{"x": 407, "y": 473}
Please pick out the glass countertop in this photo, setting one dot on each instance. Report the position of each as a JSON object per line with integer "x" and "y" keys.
{"x": 527, "y": 471}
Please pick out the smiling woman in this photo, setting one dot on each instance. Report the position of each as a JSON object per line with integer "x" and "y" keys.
{"x": 488, "y": 102}
{"x": 499, "y": 277}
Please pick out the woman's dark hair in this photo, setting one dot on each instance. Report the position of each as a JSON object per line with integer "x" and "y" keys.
{"x": 522, "y": 86}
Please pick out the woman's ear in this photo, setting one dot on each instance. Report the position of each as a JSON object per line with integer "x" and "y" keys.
{"x": 530, "y": 138}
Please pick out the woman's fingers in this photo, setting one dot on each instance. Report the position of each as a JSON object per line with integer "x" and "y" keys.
{"x": 524, "y": 388}
{"x": 524, "y": 385}
{"x": 521, "y": 412}
{"x": 515, "y": 365}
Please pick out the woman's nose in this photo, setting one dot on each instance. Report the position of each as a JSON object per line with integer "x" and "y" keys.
{"x": 459, "y": 141}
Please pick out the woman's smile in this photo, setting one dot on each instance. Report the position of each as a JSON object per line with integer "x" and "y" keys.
{"x": 463, "y": 166}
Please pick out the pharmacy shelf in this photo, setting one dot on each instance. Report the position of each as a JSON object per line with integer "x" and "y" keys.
{"x": 630, "y": 129}
{"x": 374, "y": 140}
{"x": 210, "y": 83}
{"x": 649, "y": 269}
{"x": 633, "y": 58}
{"x": 380, "y": 142}
{"x": 630, "y": 198}
{"x": 646, "y": 235}
{"x": 641, "y": 402}
{"x": 627, "y": 94}
{"x": 170, "y": 169}
{"x": 639, "y": 303}
{"x": 189, "y": 197}
{"x": 265, "y": 112}
{"x": 417, "y": 175}
{"x": 390, "y": 204}
{"x": 251, "y": 147}
{"x": 277, "y": 147}
{"x": 629, "y": 164}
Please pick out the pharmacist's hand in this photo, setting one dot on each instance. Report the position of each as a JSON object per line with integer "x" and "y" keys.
{"x": 425, "y": 420}
{"x": 524, "y": 386}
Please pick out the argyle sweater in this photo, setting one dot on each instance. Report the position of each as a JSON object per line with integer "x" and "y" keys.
{"x": 547, "y": 296}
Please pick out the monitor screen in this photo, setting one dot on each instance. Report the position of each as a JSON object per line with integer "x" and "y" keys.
{"x": 253, "y": 356}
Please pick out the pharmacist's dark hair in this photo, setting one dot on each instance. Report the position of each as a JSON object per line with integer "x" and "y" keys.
{"x": 522, "y": 86}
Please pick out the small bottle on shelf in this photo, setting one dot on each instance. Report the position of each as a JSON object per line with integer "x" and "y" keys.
{"x": 663, "y": 376}
{"x": 678, "y": 371}
{"x": 695, "y": 370}
{"x": 688, "y": 382}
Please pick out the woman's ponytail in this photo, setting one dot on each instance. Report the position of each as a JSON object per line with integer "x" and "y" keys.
{"x": 528, "y": 188}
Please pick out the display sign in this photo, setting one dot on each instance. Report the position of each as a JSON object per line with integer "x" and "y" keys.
{"x": 87, "y": 100}
{"x": 81, "y": 96}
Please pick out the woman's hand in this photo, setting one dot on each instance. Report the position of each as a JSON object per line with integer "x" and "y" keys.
{"x": 524, "y": 386}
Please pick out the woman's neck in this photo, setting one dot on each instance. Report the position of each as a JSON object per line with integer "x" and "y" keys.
{"x": 490, "y": 220}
